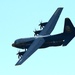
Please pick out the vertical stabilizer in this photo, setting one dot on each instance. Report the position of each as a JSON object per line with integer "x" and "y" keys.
{"x": 68, "y": 28}
{"x": 69, "y": 31}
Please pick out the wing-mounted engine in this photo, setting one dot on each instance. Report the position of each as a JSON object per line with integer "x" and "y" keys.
{"x": 20, "y": 54}
{"x": 37, "y": 32}
{"x": 42, "y": 25}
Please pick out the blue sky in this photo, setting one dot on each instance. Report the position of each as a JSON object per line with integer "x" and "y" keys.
{"x": 18, "y": 19}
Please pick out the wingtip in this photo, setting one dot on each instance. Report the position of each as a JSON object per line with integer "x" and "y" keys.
{"x": 17, "y": 64}
{"x": 60, "y": 7}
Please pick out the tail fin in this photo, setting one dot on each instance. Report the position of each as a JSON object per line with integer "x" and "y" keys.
{"x": 68, "y": 28}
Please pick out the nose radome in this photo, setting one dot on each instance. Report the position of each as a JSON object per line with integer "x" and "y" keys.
{"x": 13, "y": 44}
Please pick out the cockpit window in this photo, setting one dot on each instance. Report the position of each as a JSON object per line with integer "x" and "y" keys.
{"x": 15, "y": 42}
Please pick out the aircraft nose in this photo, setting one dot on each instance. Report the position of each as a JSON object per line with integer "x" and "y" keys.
{"x": 13, "y": 45}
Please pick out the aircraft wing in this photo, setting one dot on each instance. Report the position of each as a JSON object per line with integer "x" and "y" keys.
{"x": 34, "y": 46}
{"x": 51, "y": 23}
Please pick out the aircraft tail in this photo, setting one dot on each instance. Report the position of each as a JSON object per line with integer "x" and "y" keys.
{"x": 69, "y": 31}
{"x": 68, "y": 28}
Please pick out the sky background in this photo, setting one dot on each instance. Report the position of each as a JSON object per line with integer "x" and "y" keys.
{"x": 18, "y": 19}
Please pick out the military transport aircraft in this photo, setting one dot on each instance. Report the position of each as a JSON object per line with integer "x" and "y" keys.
{"x": 43, "y": 38}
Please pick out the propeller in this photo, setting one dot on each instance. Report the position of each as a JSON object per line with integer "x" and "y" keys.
{"x": 35, "y": 31}
{"x": 18, "y": 54}
{"x": 40, "y": 23}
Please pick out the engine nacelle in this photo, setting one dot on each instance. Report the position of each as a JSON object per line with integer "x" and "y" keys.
{"x": 20, "y": 54}
{"x": 37, "y": 32}
{"x": 42, "y": 24}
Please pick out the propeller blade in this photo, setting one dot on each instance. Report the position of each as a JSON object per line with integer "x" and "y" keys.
{"x": 18, "y": 52}
{"x": 34, "y": 31}
{"x": 40, "y": 23}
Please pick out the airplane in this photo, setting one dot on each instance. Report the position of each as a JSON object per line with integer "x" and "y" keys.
{"x": 43, "y": 39}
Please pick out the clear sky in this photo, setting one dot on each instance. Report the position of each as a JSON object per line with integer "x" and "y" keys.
{"x": 18, "y": 19}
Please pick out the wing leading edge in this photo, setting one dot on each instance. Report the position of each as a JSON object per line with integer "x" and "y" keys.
{"x": 51, "y": 23}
